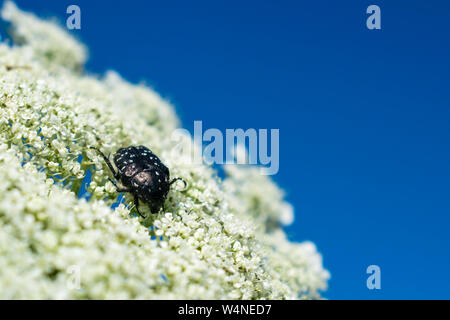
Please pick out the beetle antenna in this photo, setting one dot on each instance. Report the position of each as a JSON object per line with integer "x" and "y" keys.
{"x": 108, "y": 163}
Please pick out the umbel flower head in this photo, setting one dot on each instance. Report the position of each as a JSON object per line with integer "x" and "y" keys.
{"x": 58, "y": 225}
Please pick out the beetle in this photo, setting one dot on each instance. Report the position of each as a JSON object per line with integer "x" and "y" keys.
{"x": 141, "y": 173}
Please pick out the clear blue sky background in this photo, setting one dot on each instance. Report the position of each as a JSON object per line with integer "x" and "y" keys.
{"x": 363, "y": 115}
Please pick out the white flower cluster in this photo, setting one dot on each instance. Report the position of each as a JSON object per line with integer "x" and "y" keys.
{"x": 217, "y": 240}
{"x": 50, "y": 42}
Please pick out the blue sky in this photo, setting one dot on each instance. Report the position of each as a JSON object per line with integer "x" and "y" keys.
{"x": 363, "y": 114}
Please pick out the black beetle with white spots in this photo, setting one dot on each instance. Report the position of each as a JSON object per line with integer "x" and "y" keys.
{"x": 140, "y": 172}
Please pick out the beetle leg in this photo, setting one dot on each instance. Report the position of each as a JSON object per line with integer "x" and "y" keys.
{"x": 108, "y": 163}
{"x": 118, "y": 189}
{"x": 176, "y": 179}
{"x": 113, "y": 182}
{"x": 136, "y": 203}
